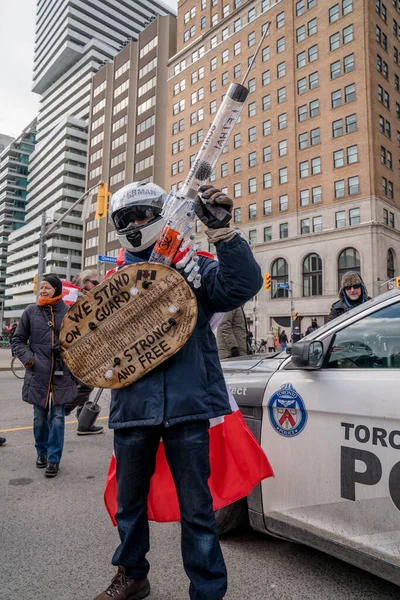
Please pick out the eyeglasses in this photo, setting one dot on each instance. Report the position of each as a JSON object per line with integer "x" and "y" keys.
{"x": 352, "y": 287}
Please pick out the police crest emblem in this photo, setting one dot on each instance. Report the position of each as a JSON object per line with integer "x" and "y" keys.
{"x": 287, "y": 411}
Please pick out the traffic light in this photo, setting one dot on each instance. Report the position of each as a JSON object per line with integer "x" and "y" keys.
{"x": 294, "y": 316}
{"x": 35, "y": 282}
{"x": 267, "y": 281}
{"x": 102, "y": 201}
{"x": 397, "y": 281}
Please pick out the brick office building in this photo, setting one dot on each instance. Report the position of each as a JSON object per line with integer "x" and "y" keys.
{"x": 313, "y": 166}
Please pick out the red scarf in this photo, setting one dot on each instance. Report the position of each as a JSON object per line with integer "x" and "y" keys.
{"x": 48, "y": 301}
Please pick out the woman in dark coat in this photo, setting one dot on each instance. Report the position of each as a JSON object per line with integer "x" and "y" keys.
{"x": 48, "y": 384}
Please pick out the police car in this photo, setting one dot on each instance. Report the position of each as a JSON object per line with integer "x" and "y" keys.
{"x": 328, "y": 418}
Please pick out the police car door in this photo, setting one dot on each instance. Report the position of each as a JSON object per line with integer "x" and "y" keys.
{"x": 333, "y": 439}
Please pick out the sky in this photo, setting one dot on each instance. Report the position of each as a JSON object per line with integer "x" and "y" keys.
{"x": 18, "y": 105}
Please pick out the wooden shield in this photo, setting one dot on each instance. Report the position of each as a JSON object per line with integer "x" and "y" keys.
{"x": 128, "y": 325}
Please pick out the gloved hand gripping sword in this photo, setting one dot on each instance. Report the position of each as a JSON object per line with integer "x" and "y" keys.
{"x": 212, "y": 207}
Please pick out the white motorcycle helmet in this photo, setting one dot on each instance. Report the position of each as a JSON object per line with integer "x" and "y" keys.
{"x": 138, "y": 201}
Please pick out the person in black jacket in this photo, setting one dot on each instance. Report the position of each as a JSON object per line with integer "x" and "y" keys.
{"x": 48, "y": 384}
{"x": 312, "y": 327}
{"x": 353, "y": 292}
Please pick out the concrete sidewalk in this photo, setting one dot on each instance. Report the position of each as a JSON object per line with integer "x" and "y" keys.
{"x": 5, "y": 359}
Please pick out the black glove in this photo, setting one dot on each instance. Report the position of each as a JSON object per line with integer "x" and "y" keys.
{"x": 213, "y": 207}
{"x": 235, "y": 351}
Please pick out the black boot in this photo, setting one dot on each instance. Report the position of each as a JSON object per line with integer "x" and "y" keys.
{"x": 41, "y": 462}
{"x": 93, "y": 430}
{"x": 52, "y": 470}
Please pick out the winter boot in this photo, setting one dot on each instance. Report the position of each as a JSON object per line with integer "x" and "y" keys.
{"x": 125, "y": 588}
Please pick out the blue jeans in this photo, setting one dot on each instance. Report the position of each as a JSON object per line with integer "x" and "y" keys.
{"x": 283, "y": 347}
{"x": 48, "y": 429}
{"x": 187, "y": 451}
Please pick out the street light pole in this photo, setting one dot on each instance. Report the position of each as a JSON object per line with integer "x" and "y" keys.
{"x": 45, "y": 234}
{"x": 42, "y": 239}
{"x": 255, "y": 299}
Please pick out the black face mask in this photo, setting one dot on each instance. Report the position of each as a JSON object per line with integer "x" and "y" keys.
{"x": 135, "y": 238}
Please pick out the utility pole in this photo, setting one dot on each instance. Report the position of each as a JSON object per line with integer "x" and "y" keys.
{"x": 44, "y": 234}
{"x": 41, "y": 258}
{"x": 291, "y": 307}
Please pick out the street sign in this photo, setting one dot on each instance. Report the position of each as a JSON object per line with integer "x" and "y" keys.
{"x": 107, "y": 259}
{"x": 282, "y": 286}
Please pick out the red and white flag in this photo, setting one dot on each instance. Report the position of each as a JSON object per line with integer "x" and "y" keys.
{"x": 69, "y": 292}
{"x": 237, "y": 461}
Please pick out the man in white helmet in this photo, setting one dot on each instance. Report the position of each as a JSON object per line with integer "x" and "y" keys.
{"x": 176, "y": 400}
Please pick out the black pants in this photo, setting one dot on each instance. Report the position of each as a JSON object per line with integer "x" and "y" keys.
{"x": 84, "y": 392}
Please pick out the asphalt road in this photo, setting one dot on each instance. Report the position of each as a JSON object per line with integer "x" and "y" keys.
{"x": 56, "y": 540}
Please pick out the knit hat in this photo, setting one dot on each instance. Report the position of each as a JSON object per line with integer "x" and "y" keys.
{"x": 352, "y": 278}
{"x": 55, "y": 282}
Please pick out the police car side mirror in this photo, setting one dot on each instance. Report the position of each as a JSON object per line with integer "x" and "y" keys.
{"x": 308, "y": 355}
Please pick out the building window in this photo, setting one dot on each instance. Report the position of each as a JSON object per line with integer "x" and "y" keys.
{"x": 313, "y": 53}
{"x": 317, "y": 224}
{"x": 302, "y": 113}
{"x": 334, "y": 41}
{"x": 252, "y": 133}
{"x": 304, "y": 226}
{"x": 280, "y": 20}
{"x": 316, "y": 194}
{"x": 282, "y": 122}
{"x": 340, "y": 219}
{"x": 316, "y": 165}
{"x": 282, "y": 148}
{"x": 237, "y": 165}
{"x": 283, "y": 203}
{"x": 340, "y": 188}
{"x": 252, "y": 211}
{"x": 279, "y": 269}
{"x": 314, "y": 108}
{"x": 337, "y": 128}
{"x": 280, "y": 45}
{"x": 281, "y": 94}
{"x": 353, "y": 185}
{"x": 266, "y": 127}
{"x": 350, "y": 93}
{"x": 283, "y": 175}
{"x": 336, "y": 69}
{"x": 351, "y": 123}
{"x": 312, "y": 276}
{"x": 304, "y": 197}
{"x": 267, "y": 234}
{"x": 352, "y": 154}
{"x": 315, "y": 136}
{"x": 266, "y": 78}
{"x": 237, "y": 215}
{"x": 338, "y": 159}
{"x": 302, "y": 85}
{"x": 266, "y": 102}
{"x": 267, "y": 180}
{"x": 252, "y": 159}
{"x": 281, "y": 70}
{"x": 334, "y": 13}
{"x": 251, "y": 108}
{"x": 354, "y": 216}
{"x": 349, "y": 260}
{"x": 385, "y": 216}
{"x": 348, "y": 34}
{"x": 224, "y": 170}
{"x": 237, "y": 140}
{"x": 252, "y": 185}
{"x": 267, "y": 154}
{"x": 303, "y": 169}
{"x": 303, "y": 140}
{"x": 237, "y": 190}
{"x": 390, "y": 265}
{"x": 267, "y": 207}
{"x": 253, "y": 237}
{"x": 251, "y": 39}
{"x": 313, "y": 80}
{"x": 301, "y": 60}
{"x": 252, "y": 85}
{"x": 348, "y": 63}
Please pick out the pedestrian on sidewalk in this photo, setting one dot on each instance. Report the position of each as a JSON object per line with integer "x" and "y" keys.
{"x": 48, "y": 384}
{"x": 271, "y": 341}
{"x": 283, "y": 340}
{"x": 175, "y": 401}
{"x": 232, "y": 335}
{"x": 87, "y": 281}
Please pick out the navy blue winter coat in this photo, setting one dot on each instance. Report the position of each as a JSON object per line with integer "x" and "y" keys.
{"x": 34, "y": 338}
{"x": 190, "y": 385}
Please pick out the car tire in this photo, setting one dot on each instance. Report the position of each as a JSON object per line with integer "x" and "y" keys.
{"x": 232, "y": 517}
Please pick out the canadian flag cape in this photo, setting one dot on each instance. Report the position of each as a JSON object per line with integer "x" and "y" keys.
{"x": 237, "y": 463}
